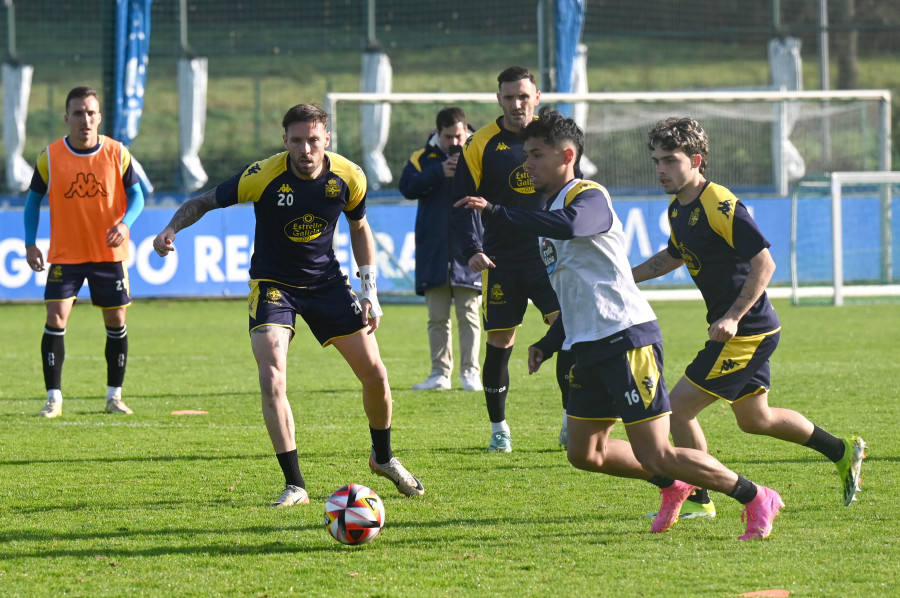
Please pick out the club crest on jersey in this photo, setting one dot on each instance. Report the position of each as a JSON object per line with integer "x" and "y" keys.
{"x": 548, "y": 254}
{"x": 695, "y": 217}
{"x": 86, "y": 185}
{"x": 520, "y": 182}
{"x": 690, "y": 260}
{"x": 332, "y": 189}
{"x": 305, "y": 229}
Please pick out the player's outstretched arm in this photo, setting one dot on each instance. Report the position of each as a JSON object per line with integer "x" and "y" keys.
{"x": 190, "y": 212}
{"x": 659, "y": 265}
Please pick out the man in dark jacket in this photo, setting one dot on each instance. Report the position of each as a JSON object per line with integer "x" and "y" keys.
{"x": 442, "y": 273}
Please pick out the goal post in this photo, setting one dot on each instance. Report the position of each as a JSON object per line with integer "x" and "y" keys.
{"x": 870, "y": 196}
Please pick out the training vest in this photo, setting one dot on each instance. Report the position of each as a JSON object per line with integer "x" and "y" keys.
{"x": 87, "y": 198}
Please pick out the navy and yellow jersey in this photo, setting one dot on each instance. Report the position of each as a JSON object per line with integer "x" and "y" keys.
{"x": 295, "y": 218}
{"x": 716, "y": 237}
{"x": 492, "y": 166}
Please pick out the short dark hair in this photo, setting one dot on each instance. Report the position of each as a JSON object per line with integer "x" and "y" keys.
{"x": 80, "y": 93}
{"x": 554, "y": 129}
{"x": 448, "y": 117}
{"x": 682, "y": 133}
{"x": 304, "y": 113}
{"x": 514, "y": 73}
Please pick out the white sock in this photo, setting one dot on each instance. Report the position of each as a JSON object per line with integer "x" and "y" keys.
{"x": 565, "y": 423}
{"x": 113, "y": 391}
{"x": 497, "y": 427}
{"x": 54, "y": 393}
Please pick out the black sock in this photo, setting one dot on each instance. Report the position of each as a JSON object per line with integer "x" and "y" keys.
{"x": 290, "y": 466}
{"x": 53, "y": 354}
{"x": 495, "y": 378}
{"x": 116, "y": 355}
{"x": 700, "y": 496}
{"x": 381, "y": 444}
{"x": 744, "y": 491}
{"x": 564, "y": 362}
{"x": 661, "y": 481}
{"x": 830, "y": 446}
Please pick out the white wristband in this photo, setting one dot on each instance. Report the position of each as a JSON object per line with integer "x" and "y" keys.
{"x": 367, "y": 276}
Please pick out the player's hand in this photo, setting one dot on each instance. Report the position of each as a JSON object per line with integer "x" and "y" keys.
{"x": 163, "y": 243}
{"x": 535, "y": 359}
{"x": 368, "y": 317}
{"x": 472, "y": 202}
{"x": 449, "y": 166}
{"x": 479, "y": 262}
{"x": 723, "y": 330}
{"x": 35, "y": 258}
{"x": 117, "y": 235}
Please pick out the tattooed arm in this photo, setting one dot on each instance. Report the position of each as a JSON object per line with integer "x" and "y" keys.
{"x": 190, "y": 212}
{"x": 658, "y": 265}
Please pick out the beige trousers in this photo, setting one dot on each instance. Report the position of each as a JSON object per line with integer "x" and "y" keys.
{"x": 468, "y": 321}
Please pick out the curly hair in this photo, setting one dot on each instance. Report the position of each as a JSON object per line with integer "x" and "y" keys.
{"x": 685, "y": 134}
{"x": 554, "y": 128}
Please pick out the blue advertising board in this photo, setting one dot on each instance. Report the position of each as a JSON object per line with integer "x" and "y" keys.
{"x": 213, "y": 255}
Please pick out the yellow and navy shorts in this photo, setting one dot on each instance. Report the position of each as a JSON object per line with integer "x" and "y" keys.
{"x": 736, "y": 369}
{"x": 505, "y": 294}
{"x": 107, "y": 281}
{"x": 331, "y": 309}
{"x": 627, "y": 386}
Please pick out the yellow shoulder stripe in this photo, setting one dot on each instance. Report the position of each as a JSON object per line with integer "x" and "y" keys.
{"x": 719, "y": 204}
{"x": 473, "y": 150}
{"x": 259, "y": 174}
{"x": 414, "y": 159}
{"x": 582, "y": 186}
{"x": 43, "y": 165}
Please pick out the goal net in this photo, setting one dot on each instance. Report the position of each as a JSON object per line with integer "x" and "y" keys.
{"x": 844, "y": 239}
{"x": 761, "y": 140}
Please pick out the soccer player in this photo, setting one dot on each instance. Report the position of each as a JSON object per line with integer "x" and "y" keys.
{"x": 297, "y": 198}
{"x": 613, "y": 333}
{"x": 442, "y": 274}
{"x": 713, "y": 234}
{"x": 95, "y": 197}
{"x": 508, "y": 258}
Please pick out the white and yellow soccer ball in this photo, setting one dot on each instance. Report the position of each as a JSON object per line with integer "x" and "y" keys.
{"x": 354, "y": 514}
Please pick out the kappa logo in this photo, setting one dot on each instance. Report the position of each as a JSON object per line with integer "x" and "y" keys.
{"x": 695, "y": 217}
{"x": 674, "y": 213}
{"x": 728, "y": 365}
{"x": 649, "y": 384}
{"x": 725, "y": 208}
{"x": 86, "y": 185}
{"x": 332, "y": 189}
{"x": 253, "y": 169}
{"x": 285, "y": 188}
{"x": 500, "y": 147}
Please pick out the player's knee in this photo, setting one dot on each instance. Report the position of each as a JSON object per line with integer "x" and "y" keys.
{"x": 650, "y": 458}
{"x": 373, "y": 375}
{"x": 753, "y": 425}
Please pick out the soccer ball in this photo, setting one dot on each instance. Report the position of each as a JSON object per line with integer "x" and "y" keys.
{"x": 354, "y": 514}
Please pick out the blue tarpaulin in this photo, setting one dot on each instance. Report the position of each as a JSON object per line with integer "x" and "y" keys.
{"x": 569, "y": 25}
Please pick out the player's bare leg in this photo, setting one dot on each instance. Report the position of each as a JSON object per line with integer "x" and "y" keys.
{"x": 361, "y": 352}
{"x": 754, "y": 416}
{"x": 270, "y": 348}
{"x": 590, "y": 448}
{"x": 687, "y": 401}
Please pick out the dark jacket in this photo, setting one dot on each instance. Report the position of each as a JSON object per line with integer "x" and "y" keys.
{"x": 439, "y": 259}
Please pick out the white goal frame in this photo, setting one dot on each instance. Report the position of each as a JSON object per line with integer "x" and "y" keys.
{"x": 836, "y": 181}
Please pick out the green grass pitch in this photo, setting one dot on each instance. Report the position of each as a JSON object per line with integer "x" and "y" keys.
{"x": 156, "y": 504}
